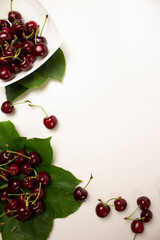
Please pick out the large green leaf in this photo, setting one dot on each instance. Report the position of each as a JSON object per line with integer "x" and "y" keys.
{"x": 33, "y": 80}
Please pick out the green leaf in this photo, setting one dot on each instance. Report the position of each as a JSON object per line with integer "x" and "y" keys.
{"x": 14, "y": 90}
{"x": 36, "y": 228}
{"x": 60, "y": 192}
{"x": 43, "y": 147}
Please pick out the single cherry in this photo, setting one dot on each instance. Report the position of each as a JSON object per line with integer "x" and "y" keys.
{"x": 13, "y": 169}
{"x": 7, "y": 107}
{"x": 43, "y": 178}
{"x": 120, "y": 204}
{"x": 23, "y": 211}
{"x": 14, "y": 186}
{"x": 40, "y": 50}
{"x": 38, "y": 192}
{"x": 28, "y": 182}
{"x": 144, "y": 202}
{"x": 37, "y": 208}
{"x": 26, "y": 169}
{"x": 102, "y": 210}
{"x": 146, "y": 215}
{"x": 6, "y": 74}
{"x": 50, "y": 122}
{"x": 80, "y": 194}
{"x": 137, "y": 226}
{"x": 34, "y": 158}
{"x": 20, "y": 157}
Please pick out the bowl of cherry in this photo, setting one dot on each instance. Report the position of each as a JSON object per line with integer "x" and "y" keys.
{"x": 28, "y": 38}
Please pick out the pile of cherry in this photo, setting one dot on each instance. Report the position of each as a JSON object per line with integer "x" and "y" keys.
{"x": 103, "y": 208}
{"x": 26, "y": 188}
{"x": 20, "y": 45}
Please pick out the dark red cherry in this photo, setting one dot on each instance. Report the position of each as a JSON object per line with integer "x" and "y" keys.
{"x": 50, "y": 122}
{"x": 22, "y": 198}
{"x": 4, "y": 194}
{"x": 5, "y": 37}
{"x": 146, "y": 215}
{"x": 20, "y": 159}
{"x": 25, "y": 65}
{"x": 7, "y": 30}
{"x": 11, "y": 205}
{"x": 13, "y": 169}
{"x": 7, "y": 107}
{"x": 137, "y": 226}
{"x": 26, "y": 169}
{"x": 28, "y": 46}
{"x": 102, "y": 210}
{"x": 18, "y": 27}
{"x": 34, "y": 158}
{"x": 23, "y": 211}
{"x": 37, "y": 208}
{"x": 32, "y": 58}
{"x": 6, "y": 74}
{"x": 12, "y": 15}
{"x": 4, "y": 23}
{"x": 37, "y": 190}
{"x": 40, "y": 39}
{"x": 40, "y": 50}
{"x": 31, "y": 26}
{"x": 28, "y": 182}
{"x": 43, "y": 178}
{"x": 13, "y": 66}
{"x": 144, "y": 202}
{"x": 14, "y": 186}
{"x": 5, "y": 157}
{"x": 80, "y": 194}
{"x": 120, "y": 204}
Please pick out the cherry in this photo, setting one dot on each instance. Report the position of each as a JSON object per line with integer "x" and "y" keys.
{"x": 34, "y": 159}
{"x": 11, "y": 205}
{"x": 32, "y": 58}
{"x": 37, "y": 208}
{"x": 4, "y": 23}
{"x": 13, "y": 169}
{"x": 20, "y": 157}
{"x": 137, "y": 226}
{"x": 4, "y": 36}
{"x": 26, "y": 169}
{"x": 28, "y": 46}
{"x": 25, "y": 64}
{"x": 40, "y": 39}
{"x": 31, "y": 27}
{"x": 7, "y": 107}
{"x": 23, "y": 211}
{"x": 43, "y": 178}
{"x": 4, "y": 194}
{"x": 6, "y": 74}
{"x": 13, "y": 15}
{"x": 102, "y": 210}
{"x": 18, "y": 27}
{"x": 40, "y": 50}
{"x": 22, "y": 198}
{"x": 5, "y": 157}
{"x": 80, "y": 194}
{"x": 50, "y": 122}
{"x": 38, "y": 192}
{"x": 14, "y": 186}
{"x": 28, "y": 182}
{"x": 146, "y": 215}
{"x": 143, "y": 202}
{"x": 13, "y": 66}
{"x": 120, "y": 204}
{"x": 7, "y": 30}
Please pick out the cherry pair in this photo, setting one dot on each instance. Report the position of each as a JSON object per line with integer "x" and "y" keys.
{"x": 137, "y": 225}
{"x": 49, "y": 121}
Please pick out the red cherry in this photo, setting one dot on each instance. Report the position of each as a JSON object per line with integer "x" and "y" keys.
{"x": 7, "y": 107}
{"x": 50, "y": 122}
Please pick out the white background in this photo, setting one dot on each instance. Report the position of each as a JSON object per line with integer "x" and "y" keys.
{"x": 108, "y": 108}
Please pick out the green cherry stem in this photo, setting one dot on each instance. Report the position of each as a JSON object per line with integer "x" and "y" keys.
{"x": 2, "y": 223}
{"x": 135, "y": 236}
{"x": 4, "y": 164}
{"x": 35, "y": 40}
{"x": 132, "y": 213}
{"x": 91, "y": 177}
{"x": 12, "y": 11}
{"x": 13, "y": 229}
{"x": 43, "y": 25}
{"x": 31, "y": 105}
{"x": 5, "y": 179}
{"x": 8, "y": 212}
{"x": 17, "y": 152}
{"x": 37, "y": 194}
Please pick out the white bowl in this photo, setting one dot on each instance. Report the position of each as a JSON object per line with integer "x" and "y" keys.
{"x": 33, "y": 10}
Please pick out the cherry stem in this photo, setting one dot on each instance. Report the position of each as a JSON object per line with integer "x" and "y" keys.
{"x": 31, "y": 105}
{"x": 15, "y": 226}
{"x": 5, "y": 170}
{"x": 15, "y": 38}
{"x": 12, "y": 11}
{"x": 7, "y": 162}
{"x": 1, "y": 48}
{"x": 91, "y": 177}
{"x": 44, "y": 25}
{"x": 7, "y": 212}
{"x": 17, "y": 152}
{"x": 106, "y": 203}
{"x": 37, "y": 194}
{"x": 135, "y": 236}
{"x": 135, "y": 218}
{"x": 26, "y": 101}
{"x": 35, "y": 40}
{"x": 132, "y": 213}
{"x": 5, "y": 179}
{"x": 27, "y": 36}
